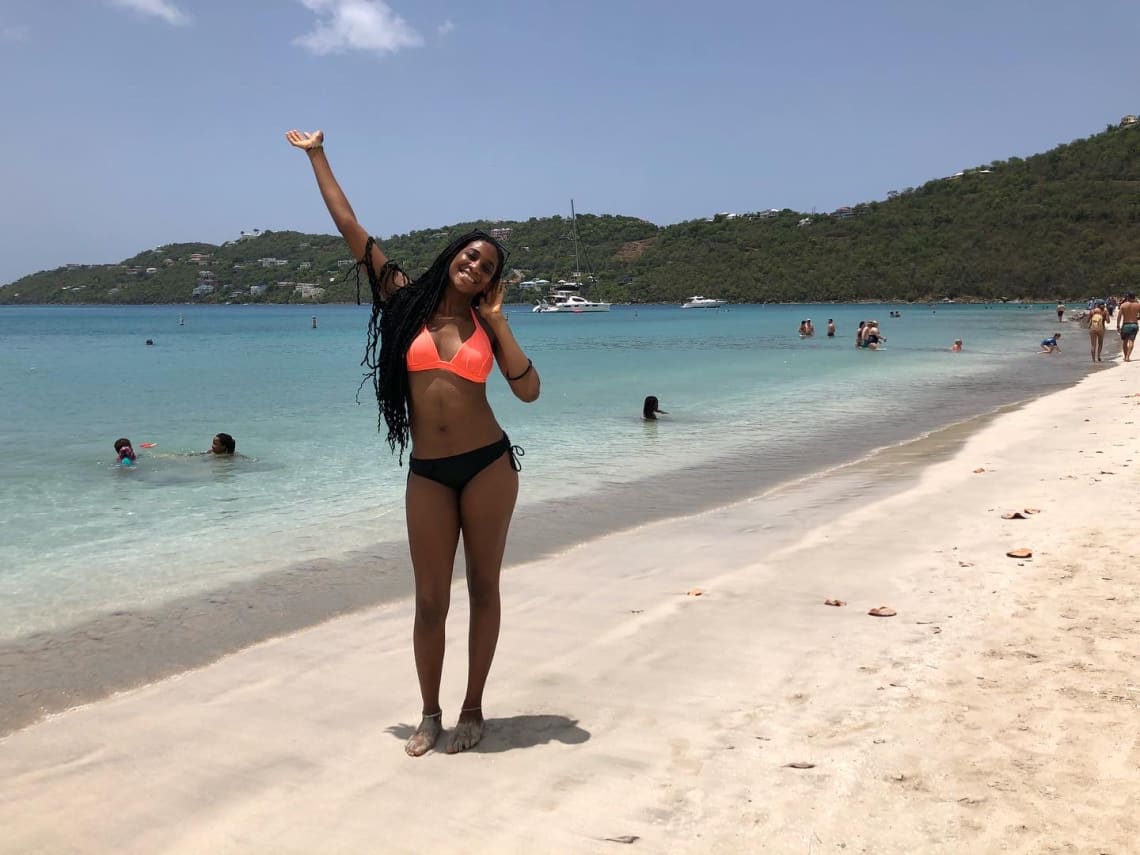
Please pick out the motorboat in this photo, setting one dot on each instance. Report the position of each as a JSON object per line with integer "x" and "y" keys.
{"x": 569, "y": 302}
{"x": 699, "y": 302}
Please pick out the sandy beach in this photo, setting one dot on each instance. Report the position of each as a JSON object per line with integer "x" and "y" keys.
{"x": 682, "y": 687}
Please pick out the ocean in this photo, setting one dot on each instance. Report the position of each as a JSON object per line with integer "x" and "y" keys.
{"x": 310, "y": 515}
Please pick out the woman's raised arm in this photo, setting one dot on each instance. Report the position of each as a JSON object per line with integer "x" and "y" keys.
{"x": 341, "y": 211}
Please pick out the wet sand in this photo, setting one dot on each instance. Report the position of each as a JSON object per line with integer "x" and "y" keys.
{"x": 997, "y": 711}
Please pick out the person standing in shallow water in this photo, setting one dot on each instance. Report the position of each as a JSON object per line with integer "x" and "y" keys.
{"x": 651, "y": 408}
{"x": 431, "y": 345}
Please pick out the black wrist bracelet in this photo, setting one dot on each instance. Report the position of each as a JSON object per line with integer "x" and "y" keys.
{"x": 526, "y": 371}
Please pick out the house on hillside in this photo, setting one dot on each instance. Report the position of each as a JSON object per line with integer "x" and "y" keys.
{"x": 843, "y": 213}
{"x": 1128, "y": 121}
{"x": 308, "y": 290}
{"x": 249, "y": 235}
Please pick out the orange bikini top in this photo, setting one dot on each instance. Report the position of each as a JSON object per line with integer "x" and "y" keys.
{"x": 472, "y": 361}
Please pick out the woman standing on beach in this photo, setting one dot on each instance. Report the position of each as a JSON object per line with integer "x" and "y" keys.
{"x": 431, "y": 344}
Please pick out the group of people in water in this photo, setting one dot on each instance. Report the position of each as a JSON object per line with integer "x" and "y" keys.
{"x": 867, "y": 335}
{"x": 222, "y": 444}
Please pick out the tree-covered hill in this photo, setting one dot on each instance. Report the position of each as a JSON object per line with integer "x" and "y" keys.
{"x": 1065, "y": 223}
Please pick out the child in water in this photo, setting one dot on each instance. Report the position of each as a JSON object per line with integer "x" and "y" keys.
{"x": 126, "y": 452}
{"x": 956, "y": 347}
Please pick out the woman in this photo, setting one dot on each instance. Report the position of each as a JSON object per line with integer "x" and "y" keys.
{"x": 1098, "y": 320}
{"x": 651, "y": 408}
{"x": 431, "y": 344}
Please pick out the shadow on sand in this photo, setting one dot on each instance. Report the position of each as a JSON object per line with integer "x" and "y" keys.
{"x": 507, "y": 734}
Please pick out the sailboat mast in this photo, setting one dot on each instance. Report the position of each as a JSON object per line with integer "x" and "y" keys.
{"x": 574, "y": 232}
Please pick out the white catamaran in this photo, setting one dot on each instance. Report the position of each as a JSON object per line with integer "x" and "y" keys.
{"x": 565, "y": 297}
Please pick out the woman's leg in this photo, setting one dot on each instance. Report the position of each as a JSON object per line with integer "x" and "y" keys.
{"x": 433, "y": 535}
{"x": 485, "y": 509}
{"x": 1092, "y": 344}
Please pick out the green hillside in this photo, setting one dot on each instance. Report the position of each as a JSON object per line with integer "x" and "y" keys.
{"x": 1065, "y": 223}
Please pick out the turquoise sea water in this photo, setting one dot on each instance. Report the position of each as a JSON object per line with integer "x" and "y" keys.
{"x": 83, "y": 536}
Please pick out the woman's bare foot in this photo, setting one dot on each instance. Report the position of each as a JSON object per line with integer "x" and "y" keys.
{"x": 468, "y": 730}
{"x": 425, "y": 736}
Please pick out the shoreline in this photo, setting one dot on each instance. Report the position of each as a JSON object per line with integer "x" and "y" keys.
{"x": 622, "y": 704}
{"x": 52, "y": 671}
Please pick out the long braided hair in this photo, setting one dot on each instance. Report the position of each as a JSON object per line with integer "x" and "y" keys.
{"x": 395, "y": 322}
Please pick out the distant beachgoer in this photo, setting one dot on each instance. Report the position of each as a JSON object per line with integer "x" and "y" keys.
{"x": 859, "y": 333}
{"x": 432, "y": 345}
{"x": 222, "y": 443}
{"x": 149, "y": 342}
{"x": 651, "y": 408}
{"x": 830, "y": 328}
{"x": 956, "y": 347}
{"x": 810, "y": 327}
{"x": 804, "y": 329}
{"x": 1051, "y": 345}
{"x": 125, "y": 451}
{"x": 1060, "y": 312}
{"x": 1098, "y": 320}
{"x": 871, "y": 337}
{"x": 1128, "y": 323}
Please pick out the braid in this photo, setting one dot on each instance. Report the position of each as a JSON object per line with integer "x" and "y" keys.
{"x": 395, "y": 322}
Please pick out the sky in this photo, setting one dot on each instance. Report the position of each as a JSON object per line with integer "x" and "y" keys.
{"x": 135, "y": 123}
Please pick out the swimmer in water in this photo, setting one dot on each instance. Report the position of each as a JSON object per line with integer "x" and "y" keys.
{"x": 126, "y": 452}
{"x": 651, "y": 408}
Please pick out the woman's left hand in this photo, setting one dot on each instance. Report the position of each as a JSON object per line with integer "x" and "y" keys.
{"x": 491, "y": 306}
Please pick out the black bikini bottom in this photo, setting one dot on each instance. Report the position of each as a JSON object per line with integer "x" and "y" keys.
{"x": 457, "y": 471}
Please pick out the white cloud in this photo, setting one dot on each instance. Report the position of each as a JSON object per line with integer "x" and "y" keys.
{"x": 446, "y": 27}
{"x": 369, "y": 25}
{"x": 158, "y": 8}
{"x": 13, "y": 34}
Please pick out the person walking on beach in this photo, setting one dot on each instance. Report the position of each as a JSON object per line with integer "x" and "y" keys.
{"x": 431, "y": 345}
{"x": 1060, "y": 311}
{"x": 1128, "y": 323}
{"x": 1098, "y": 320}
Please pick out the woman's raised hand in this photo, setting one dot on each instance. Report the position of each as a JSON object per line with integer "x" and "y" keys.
{"x": 491, "y": 306}
{"x": 308, "y": 142}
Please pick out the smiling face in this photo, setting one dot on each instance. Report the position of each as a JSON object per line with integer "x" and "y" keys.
{"x": 473, "y": 269}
